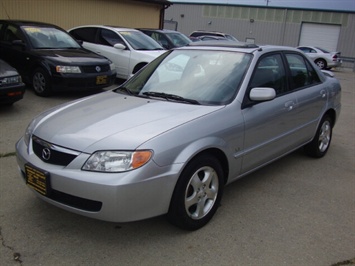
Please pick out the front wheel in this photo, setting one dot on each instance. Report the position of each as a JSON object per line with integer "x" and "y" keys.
{"x": 319, "y": 146}
{"x": 197, "y": 194}
{"x": 41, "y": 82}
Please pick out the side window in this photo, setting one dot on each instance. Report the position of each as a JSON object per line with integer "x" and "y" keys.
{"x": 84, "y": 34}
{"x": 109, "y": 38}
{"x": 270, "y": 72}
{"x": 13, "y": 33}
{"x": 302, "y": 73}
{"x": 162, "y": 40}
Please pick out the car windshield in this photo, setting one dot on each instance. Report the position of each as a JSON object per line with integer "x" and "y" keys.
{"x": 178, "y": 39}
{"x": 191, "y": 76}
{"x": 140, "y": 41}
{"x": 49, "y": 38}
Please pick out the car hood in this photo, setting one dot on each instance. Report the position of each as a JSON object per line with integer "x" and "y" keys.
{"x": 81, "y": 56}
{"x": 6, "y": 70}
{"x": 114, "y": 121}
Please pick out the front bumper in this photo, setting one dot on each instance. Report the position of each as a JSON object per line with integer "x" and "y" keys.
{"x": 11, "y": 94}
{"x": 115, "y": 197}
{"x": 84, "y": 81}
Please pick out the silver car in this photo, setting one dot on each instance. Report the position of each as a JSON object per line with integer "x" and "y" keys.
{"x": 169, "y": 139}
{"x": 321, "y": 57}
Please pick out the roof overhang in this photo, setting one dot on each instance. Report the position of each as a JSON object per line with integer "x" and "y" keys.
{"x": 159, "y": 2}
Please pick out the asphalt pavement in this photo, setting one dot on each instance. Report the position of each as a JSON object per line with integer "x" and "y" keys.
{"x": 296, "y": 211}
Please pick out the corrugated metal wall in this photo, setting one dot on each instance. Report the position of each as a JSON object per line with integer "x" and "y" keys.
{"x": 263, "y": 24}
{"x": 70, "y": 13}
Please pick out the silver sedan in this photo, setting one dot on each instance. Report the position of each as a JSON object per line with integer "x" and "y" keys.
{"x": 322, "y": 57}
{"x": 169, "y": 139}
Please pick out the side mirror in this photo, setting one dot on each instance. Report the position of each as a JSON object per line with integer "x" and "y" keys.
{"x": 262, "y": 94}
{"x": 119, "y": 46}
{"x": 19, "y": 44}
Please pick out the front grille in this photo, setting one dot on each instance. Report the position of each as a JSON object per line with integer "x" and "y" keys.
{"x": 95, "y": 68}
{"x": 52, "y": 154}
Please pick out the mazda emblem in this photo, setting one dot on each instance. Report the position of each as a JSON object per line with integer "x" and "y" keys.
{"x": 46, "y": 154}
{"x": 98, "y": 69}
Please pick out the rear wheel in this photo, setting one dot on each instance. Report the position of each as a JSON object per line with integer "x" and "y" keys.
{"x": 197, "y": 194}
{"x": 41, "y": 82}
{"x": 319, "y": 146}
{"x": 321, "y": 63}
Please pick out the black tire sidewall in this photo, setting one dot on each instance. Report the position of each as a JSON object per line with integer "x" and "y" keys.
{"x": 312, "y": 148}
{"x": 177, "y": 214}
{"x": 47, "y": 90}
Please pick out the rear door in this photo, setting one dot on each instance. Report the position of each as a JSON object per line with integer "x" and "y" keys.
{"x": 311, "y": 94}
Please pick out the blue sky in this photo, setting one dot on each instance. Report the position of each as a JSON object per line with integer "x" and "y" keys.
{"x": 344, "y": 5}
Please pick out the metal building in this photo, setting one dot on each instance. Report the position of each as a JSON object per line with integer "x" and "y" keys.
{"x": 70, "y": 13}
{"x": 332, "y": 30}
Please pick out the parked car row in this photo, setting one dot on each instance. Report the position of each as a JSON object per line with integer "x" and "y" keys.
{"x": 91, "y": 57}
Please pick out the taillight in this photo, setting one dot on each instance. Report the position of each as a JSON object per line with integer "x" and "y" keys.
{"x": 335, "y": 57}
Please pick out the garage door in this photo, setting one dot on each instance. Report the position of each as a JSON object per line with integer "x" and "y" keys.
{"x": 320, "y": 35}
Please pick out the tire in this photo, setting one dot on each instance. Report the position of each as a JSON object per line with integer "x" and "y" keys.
{"x": 319, "y": 146}
{"x": 197, "y": 194}
{"x": 41, "y": 82}
{"x": 321, "y": 63}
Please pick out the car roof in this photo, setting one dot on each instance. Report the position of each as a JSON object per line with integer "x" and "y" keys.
{"x": 116, "y": 28}
{"x": 29, "y": 23}
{"x": 157, "y": 30}
{"x": 236, "y": 46}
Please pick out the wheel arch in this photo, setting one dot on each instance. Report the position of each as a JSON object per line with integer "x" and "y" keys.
{"x": 42, "y": 65}
{"x": 220, "y": 156}
{"x": 139, "y": 66}
{"x": 332, "y": 114}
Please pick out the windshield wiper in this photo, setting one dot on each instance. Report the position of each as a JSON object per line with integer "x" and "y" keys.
{"x": 170, "y": 97}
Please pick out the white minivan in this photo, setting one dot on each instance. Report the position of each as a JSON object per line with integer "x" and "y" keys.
{"x": 129, "y": 49}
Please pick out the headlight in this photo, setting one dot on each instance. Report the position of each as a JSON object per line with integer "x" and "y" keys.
{"x": 112, "y": 67}
{"x": 11, "y": 80}
{"x": 116, "y": 161}
{"x": 67, "y": 69}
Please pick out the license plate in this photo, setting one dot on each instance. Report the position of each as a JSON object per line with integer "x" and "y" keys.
{"x": 37, "y": 179}
{"x": 101, "y": 80}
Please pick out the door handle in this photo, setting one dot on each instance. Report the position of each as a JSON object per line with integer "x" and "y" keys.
{"x": 290, "y": 105}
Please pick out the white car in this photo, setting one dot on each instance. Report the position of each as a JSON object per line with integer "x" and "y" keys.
{"x": 321, "y": 57}
{"x": 129, "y": 49}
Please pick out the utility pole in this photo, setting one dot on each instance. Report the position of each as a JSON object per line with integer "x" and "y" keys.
{"x": 267, "y": 2}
